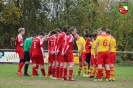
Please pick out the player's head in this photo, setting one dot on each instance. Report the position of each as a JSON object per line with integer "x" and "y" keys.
{"x": 86, "y": 31}
{"x": 65, "y": 29}
{"x": 41, "y": 35}
{"x": 88, "y": 36}
{"x": 53, "y": 33}
{"x": 73, "y": 30}
{"x": 76, "y": 35}
{"x": 57, "y": 30}
{"x": 98, "y": 31}
{"x": 103, "y": 29}
{"x": 108, "y": 32}
{"x": 21, "y": 31}
{"x": 34, "y": 35}
{"x": 94, "y": 35}
{"x": 67, "y": 33}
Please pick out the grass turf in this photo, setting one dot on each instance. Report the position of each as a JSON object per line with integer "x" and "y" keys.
{"x": 9, "y": 79}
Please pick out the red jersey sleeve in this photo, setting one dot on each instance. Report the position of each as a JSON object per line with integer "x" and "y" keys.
{"x": 41, "y": 46}
{"x": 64, "y": 46}
{"x": 87, "y": 45}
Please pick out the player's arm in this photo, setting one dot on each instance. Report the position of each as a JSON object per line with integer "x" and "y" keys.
{"x": 82, "y": 46}
{"x": 20, "y": 40}
{"x": 110, "y": 45}
{"x": 96, "y": 46}
{"x": 95, "y": 49}
{"x": 70, "y": 41}
{"x": 41, "y": 47}
{"x": 65, "y": 46}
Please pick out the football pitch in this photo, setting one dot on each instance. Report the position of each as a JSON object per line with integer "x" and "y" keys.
{"x": 9, "y": 79}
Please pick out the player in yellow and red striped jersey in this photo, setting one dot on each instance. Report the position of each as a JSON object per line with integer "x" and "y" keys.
{"x": 93, "y": 58}
{"x": 102, "y": 52}
{"x": 81, "y": 53}
{"x": 112, "y": 56}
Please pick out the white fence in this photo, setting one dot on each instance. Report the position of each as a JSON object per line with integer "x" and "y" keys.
{"x": 9, "y": 55}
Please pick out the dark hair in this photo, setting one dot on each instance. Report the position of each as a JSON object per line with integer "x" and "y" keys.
{"x": 64, "y": 29}
{"x": 94, "y": 34}
{"x": 72, "y": 29}
{"x": 53, "y": 32}
{"x": 103, "y": 29}
{"x": 67, "y": 33}
{"x": 108, "y": 31}
{"x": 57, "y": 30}
{"x": 86, "y": 31}
{"x": 78, "y": 33}
{"x": 34, "y": 35}
{"x": 88, "y": 35}
{"x": 41, "y": 33}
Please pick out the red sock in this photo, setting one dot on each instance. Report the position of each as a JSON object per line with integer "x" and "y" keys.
{"x": 20, "y": 65}
{"x": 60, "y": 71}
{"x": 70, "y": 73}
{"x": 37, "y": 66}
{"x": 53, "y": 71}
{"x": 57, "y": 72}
{"x": 65, "y": 73}
{"x": 99, "y": 73}
{"x": 43, "y": 71}
{"x": 107, "y": 73}
{"x": 49, "y": 70}
{"x": 33, "y": 70}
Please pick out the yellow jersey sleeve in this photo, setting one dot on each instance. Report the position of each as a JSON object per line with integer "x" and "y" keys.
{"x": 79, "y": 42}
{"x": 103, "y": 42}
{"x": 113, "y": 43}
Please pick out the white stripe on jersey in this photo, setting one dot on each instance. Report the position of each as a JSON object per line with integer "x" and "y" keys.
{"x": 20, "y": 38}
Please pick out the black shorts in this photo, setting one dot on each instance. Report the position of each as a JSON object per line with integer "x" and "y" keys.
{"x": 88, "y": 57}
{"x": 26, "y": 56}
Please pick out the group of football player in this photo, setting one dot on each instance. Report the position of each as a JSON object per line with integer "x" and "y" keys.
{"x": 96, "y": 53}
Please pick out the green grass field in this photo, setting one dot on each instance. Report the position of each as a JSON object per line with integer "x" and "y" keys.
{"x": 9, "y": 79}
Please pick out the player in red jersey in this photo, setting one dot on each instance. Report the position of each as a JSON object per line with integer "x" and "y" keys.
{"x": 19, "y": 49}
{"x": 47, "y": 38}
{"x": 38, "y": 54}
{"x": 68, "y": 56}
{"x": 88, "y": 53}
{"x": 87, "y": 47}
{"x": 51, "y": 49}
{"x": 59, "y": 58}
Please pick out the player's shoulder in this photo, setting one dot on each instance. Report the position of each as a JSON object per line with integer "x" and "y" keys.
{"x": 81, "y": 38}
{"x": 19, "y": 36}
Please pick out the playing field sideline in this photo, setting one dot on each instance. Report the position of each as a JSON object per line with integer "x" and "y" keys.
{"x": 8, "y": 79}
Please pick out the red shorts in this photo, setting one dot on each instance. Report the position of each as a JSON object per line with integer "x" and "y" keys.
{"x": 69, "y": 57}
{"x": 83, "y": 57}
{"x": 61, "y": 58}
{"x": 38, "y": 60}
{"x": 103, "y": 57}
{"x": 53, "y": 58}
{"x": 21, "y": 55}
{"x": 95, "y": 61}
{"x": 50, "y": 58}
{"x": 112, "y": 57}
{"x": 56, "y": 58}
